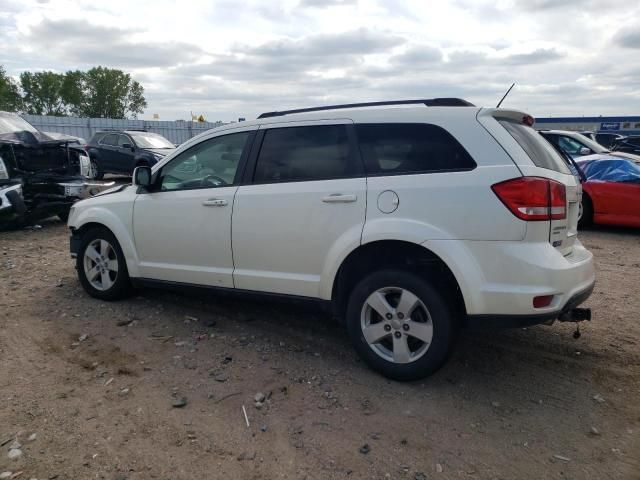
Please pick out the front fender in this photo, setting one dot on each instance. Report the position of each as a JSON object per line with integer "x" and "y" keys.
{"x": 113, "y": 221}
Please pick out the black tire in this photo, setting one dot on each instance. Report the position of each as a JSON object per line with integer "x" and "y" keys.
{"x": 121, "y": 286}
{"x": 98, "y": 174}
{"x": 586, "y": 219}
{"x": 441, "y": 316}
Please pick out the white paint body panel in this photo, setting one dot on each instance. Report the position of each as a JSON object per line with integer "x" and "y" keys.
{"x": 283, "y": 238}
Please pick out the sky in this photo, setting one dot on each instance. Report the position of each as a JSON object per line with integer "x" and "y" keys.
{"x": 228, "y": 59}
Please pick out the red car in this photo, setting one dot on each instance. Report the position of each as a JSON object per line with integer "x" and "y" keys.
{"x": 611, "y": 192}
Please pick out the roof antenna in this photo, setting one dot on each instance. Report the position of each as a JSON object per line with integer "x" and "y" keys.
{"x": 505, "y": 95}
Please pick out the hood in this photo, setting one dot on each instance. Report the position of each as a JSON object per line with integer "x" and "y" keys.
{"x": 29, "y": 138}
{"x": 160, "y": 151}
{"x": 629, "y": 156}
{"x": 596, "y": 156}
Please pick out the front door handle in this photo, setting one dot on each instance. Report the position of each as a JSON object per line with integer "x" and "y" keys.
{"x": 214, "y": 202}
{"x": 339, "y": 198}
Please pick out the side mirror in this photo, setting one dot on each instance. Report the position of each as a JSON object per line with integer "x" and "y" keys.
{"x": 584, "y": 151}
{"x": 142, "y": 176}
{"x": 127, "y": 145}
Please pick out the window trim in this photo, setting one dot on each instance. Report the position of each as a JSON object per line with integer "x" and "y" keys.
{"x": 356, "y": 158}
{"x": 417, "y": 172}
{"x": 155, "y": 186}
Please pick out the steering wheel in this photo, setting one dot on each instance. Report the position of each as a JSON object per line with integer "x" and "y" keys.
{"x": 217, "y": 181}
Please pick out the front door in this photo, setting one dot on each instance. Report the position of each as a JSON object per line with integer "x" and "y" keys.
{"x": 182, "y": 227}
{"x": 306, "y": 199}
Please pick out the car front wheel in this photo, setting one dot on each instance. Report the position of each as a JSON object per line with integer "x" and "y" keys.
{"x": 96, "y": 173}
{"x": 101, "y": 266}
{"x": 400, "y": 325}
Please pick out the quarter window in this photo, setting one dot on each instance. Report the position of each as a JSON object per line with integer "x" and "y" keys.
{"x": 209, "y": 164}
{"x": 305, "y": 153}
{"x": 404, "y": 148}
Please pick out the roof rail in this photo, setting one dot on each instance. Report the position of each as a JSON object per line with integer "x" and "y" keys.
{"x": 430, "y": 102}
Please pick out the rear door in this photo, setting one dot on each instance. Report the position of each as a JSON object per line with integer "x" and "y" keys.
{"x": 306, "y": 196}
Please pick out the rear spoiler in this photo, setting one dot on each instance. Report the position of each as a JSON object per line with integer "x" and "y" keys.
{"x": 513, "y": 115}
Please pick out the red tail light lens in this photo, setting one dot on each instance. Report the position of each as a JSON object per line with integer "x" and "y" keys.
{"x": 533, "y": 198}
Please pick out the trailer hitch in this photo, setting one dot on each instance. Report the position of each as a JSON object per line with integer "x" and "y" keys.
{"x": 576, "y": 315}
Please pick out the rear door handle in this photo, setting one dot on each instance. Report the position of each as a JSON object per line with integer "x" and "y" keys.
{"x": 214, "y": 202}
{"x": 340, "y": 198}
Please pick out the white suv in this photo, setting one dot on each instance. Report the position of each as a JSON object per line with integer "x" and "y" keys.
{"x": 409, "y": 219}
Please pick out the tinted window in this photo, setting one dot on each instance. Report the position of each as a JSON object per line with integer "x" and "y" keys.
{"x": 111, "y": 139}
{"x": 539, "y": 151}
{"x": 305, "y": 153}
{"x": 209, "y": 164}
{"x": 389, "y": 149}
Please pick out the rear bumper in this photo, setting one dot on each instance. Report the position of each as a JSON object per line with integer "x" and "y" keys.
{"x": 518, "y": 321}
{"x": 500, "y": 279}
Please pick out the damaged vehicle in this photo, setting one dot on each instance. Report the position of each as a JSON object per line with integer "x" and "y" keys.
{"x": 39, "y": 176}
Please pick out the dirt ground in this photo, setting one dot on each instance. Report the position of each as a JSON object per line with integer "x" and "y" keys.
{"x": 96, "y": 383}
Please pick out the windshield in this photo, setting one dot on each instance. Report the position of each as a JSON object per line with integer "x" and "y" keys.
{"x": 151, "y": 140}
{"x": 587, "y": 142}
{"x": 14, "y": 123}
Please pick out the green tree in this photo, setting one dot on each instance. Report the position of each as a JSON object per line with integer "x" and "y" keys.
{"x": 43, "y": 93}
{"x": 10, "y": 99}
{"x": 110, "y": 93}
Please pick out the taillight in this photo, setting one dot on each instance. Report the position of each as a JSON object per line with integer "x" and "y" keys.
{"x": 533, "y": 198}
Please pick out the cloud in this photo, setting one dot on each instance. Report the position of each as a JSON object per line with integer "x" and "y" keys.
{"x": 327, "y": 3}
{"x": 540, "y": 55}
{"x": 89, "y": 44}
{"x": 628, "y": 37}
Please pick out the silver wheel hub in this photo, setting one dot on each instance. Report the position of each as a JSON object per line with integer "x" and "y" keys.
{"x": 396, "y": 324}
{"x": 100, "y": 264}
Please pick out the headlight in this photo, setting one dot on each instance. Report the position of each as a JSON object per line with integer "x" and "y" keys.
{"x": 85, "y": 166}
{"x": 4, "y": 173}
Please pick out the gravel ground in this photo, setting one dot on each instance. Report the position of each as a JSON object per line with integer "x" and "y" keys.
{"x": 154, "y": 387}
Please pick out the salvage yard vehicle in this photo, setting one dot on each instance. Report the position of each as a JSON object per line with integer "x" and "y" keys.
{"x": 408, "y": 219}
{"x": 577, "y": 145}
{"x": 120, "y": 151}
{"x": 39, "y": 176}
{"x": 611, "y": 191}
{"x": 628, "y": 145}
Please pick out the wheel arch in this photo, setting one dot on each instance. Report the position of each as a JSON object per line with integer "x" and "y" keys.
{"x": 383, "y": 254}
{"x": 101, "y": 218}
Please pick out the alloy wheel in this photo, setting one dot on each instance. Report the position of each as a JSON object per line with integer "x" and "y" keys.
{"x": 100, "y": 264}
{"x": 396, "y": 325}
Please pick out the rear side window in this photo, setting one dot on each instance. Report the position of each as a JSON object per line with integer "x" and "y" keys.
{"x": 305, "y": 153}
{"x": 402, "y": 148}
{"x": 540, "y": 151}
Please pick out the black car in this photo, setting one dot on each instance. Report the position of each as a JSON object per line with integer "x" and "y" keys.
{"x": 39, "y": 176}
{"x": 630, "y": 144}
{"x": 123, "y": 150}
{"x": 608, "y": 139}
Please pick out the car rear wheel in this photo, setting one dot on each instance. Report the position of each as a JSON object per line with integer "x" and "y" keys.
{"x": 102, "y": 269}
{"x": 400, "y": 325}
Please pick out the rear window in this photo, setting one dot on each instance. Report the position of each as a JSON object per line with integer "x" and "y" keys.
{"x": 540, "y": 151}
{"x": 404, "y": 148}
